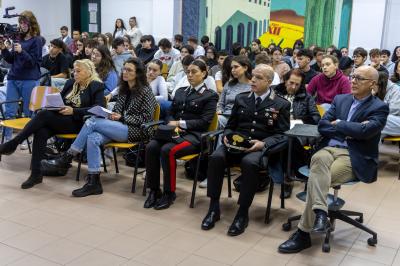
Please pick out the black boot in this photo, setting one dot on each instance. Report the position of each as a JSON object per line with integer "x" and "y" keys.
{"x": 8, "y": 147}
{"x": 32, "y": 180}
{"x": 63, "y": 162}
{"x": 92, "y": 187}
{"x": 166, "y": 200}
{"x": 152, "y": 199}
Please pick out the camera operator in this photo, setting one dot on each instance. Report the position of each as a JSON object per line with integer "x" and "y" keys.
{"x": 25, "y": 58}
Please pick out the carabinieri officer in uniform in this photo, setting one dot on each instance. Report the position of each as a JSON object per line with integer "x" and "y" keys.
{"x": 262, "y": 116}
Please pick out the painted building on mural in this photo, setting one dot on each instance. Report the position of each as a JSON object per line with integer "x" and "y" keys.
{"x": 227, "y": 22}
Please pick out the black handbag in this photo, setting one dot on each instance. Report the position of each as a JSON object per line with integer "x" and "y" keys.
{"x": 168, "y": 133}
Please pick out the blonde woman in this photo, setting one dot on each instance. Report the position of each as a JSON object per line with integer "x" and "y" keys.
{"x": 79, "y": 94}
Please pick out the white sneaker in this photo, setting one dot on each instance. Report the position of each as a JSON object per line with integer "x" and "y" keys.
{"x": 24, "y": 145}
{"x": 203, "y": 184}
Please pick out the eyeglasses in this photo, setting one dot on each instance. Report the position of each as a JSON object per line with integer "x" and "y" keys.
{"x": 358, "y": 78}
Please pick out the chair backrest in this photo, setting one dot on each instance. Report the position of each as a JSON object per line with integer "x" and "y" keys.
{"x": 164, "y": 71}
{"x": 38, "y": 97}
{"x": 321, "y": 110}
{"x": 157, "y": 111}
{"x": 214, "y": 123}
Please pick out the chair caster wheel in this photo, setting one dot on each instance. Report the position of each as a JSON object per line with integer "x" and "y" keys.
{"x": 326, "y": 247}
{"x": 287, "y": 226}
{"x": 372, "y": 241}
{"x": 360, "y": 219}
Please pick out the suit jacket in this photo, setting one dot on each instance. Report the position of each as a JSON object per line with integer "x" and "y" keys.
{"x": 362, "y": 138}
{"x": 197, "y": 109}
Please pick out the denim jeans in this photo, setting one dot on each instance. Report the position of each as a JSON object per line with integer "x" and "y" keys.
{"x": 17, "y": 89}
{"x": 94, "y": 133}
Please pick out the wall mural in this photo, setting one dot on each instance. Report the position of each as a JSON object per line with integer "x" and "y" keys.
{"x": 322, "y": 22}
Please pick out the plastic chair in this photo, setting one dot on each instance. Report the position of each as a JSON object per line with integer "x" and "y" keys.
{"x": 321, "y": 110}
{"x": 394, "y": 139}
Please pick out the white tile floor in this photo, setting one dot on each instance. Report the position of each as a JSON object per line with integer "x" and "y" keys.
{"x": 46, "y": 226}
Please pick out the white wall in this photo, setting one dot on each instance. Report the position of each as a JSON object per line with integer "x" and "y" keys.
{"x": 51, "y": 14}
{"x": 154, "y": 17}
{"x": 391, "y": 37}
{"x": 367, "y": 24}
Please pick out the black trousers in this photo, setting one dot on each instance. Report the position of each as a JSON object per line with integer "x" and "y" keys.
{"x": 249, "y": 165}
{"x": 44, "y": 125}
{"x": 166, "y": 153}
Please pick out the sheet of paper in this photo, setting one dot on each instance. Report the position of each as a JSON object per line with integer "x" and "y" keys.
{"x": 93, "y": 17}
{"x": 100, "y": 111}
{"x": 92, "y": 7}
{"x": 92, "y": 27}
{"x": 54, "y": 100}
{"x": 294, "y": 122}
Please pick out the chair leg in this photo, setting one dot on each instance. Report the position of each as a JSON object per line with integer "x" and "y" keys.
{"x": 269, "y": 203}
{"x": 2, "y": 138}
{"x": 115, "y": 160}
{"x": 104, "y": 159}
{"x": 228, "y": 170}
{"x": 78, "y": 172}
{"x": 195, "y": 182}
{"x": 339, "y": 215}
{"x": 282, "y": 194}
{"x": 133, "y": 189}
{"x": 29, "y": 146}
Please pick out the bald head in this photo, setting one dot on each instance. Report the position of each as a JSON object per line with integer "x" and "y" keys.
{"x": 262, "y": 78}
{"x": 267, "y": 71}
{"x": 364, "y": 80}
{"x": 368, "y": 72}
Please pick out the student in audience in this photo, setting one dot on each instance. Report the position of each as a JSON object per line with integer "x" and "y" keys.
{"x": 119, "y": 30}
{"x": 110, "y": 39}
{"x": 85, "y": 35}
{"x": 251, "y": 116}
{"x": 80, "y": 51}
{"x": 270, "y": 47}
{"x": 255, "y": 49}
{"x": 239, "y": 82}
{"x": 64, "y": 35}
{"x": 79, "y": 94}
{"x": 263, "y": 58}
{"x": 385, "y": 61}
{"x": 298, "y": 44}
{"x": 178, "y": 41}
{"x": 389, "y": 92}
{"x": 90, "y": 45}
{"x": 156, "y": 81}
{"x": 128, "y": 45}
{"x": 166, "y": 54}
{"x": 396, "y": 54}
{"x": 211, "y": 56}
{"x": 72, "y": 47}
{"x": 346, "y": 65}
{"x": 192, "y": 111}
{"x": 336, "y": 53}
{"x": 360, "y": 55}
{"x": 101, "y": 39}
{"x": 278, "y": 65}
{"x": 318, "y": 54}
{"x": 147, "y": 50}
{"x": 198, "y": 49}
{"x": 221, "y": 57}
{"x": 396, "y": 75}
{"x": 177, "y": 66}
{"x": 205, "y": 42}
{"x": 224, "y": 75}
{"x": 304, "y": 57}
{"x": 56, "y": 62}
{"x": 180, "y": 79}
{"x": 244, "y": 51}
{"x": 351, "y": 129}
{"x": 134, "y": 32}
{"x": 120, "y": 54}
{"x": 135, "y": 106}
{"x": 375, "y": 58}
{"x": 331, "y": 82}
{"x": 24, "y": 58}
{"x": 287, "y": 54}
{"x": 344, "y": 51}
{"x": 101, "y": 58}
{"x": 236, "y": 48}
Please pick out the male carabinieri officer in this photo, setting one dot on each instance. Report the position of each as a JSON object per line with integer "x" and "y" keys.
{"x": 263, "y": 116}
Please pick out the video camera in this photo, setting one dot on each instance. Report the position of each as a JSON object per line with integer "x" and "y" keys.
{"x": 8, "y": 31}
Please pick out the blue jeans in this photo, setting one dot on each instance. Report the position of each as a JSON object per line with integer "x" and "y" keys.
{"x": 95, "y": 133}
{"x": 165, "y": 106}
{"x": 17, "y": 89}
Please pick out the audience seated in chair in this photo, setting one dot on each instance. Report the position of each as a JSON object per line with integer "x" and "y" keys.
{"x": 105, "y": 67}
{"x": 351, "y": 131}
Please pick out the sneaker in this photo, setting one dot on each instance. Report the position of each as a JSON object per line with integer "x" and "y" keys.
{"x": 24, "y": 145}
{"x": 203, "y": 184}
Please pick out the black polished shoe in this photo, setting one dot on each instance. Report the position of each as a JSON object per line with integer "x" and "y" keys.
{"x": 151, "y": 200}
{"x": 32, "y": 181}
{"x": 321, "y": 223}
{"x": 287, "y": 193}
{"x": 296, "y": 243}
{"x": 8, "y": 147}
{"x": 62, "y": 162}
{"x": 209, "y": 221}
{"x": 166, "y": 200}
{"x": 238, "y": 225}
{"x": 92, "y": 187}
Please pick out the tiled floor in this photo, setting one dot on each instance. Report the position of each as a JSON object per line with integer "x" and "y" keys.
{"x": 46, "y": 226}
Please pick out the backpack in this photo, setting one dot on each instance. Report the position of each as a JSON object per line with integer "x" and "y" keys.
{"x": 190, "y": 168}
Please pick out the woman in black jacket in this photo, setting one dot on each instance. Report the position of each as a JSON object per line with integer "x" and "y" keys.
{"x": 79, "y": 94}
{"x": 192, "y": 111}
{"x": 135, "y": 106}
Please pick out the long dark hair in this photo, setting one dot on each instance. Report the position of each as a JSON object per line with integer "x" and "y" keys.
{"x": 244, "y": 62}
{"x": 226, "y": 69}
{"x": 115, "y": 26}
{"x": 396, "y": 76}
{"x": 141, "y": 80}
{"x": 106, "y": 64}
{"x": 382, "y": 85}
{"x": 394, "y": 56}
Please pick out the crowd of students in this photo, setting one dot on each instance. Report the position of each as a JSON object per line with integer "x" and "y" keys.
{"x": 255, "y": 91}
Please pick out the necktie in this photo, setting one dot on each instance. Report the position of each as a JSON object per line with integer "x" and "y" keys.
{"x": 258, "y": 101}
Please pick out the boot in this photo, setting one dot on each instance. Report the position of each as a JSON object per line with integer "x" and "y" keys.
{"x": 8, "y": 147}
{"x": 63, "y": 162}
{"x": 92, "y": 187}
{"x": 32, "y": 180}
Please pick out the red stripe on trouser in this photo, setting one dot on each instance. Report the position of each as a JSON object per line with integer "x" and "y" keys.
{"x": 172, "y": 163}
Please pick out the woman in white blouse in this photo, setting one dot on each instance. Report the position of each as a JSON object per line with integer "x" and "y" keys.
{"x": 134, "y": 33}
{"x": 120, "y": 29}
